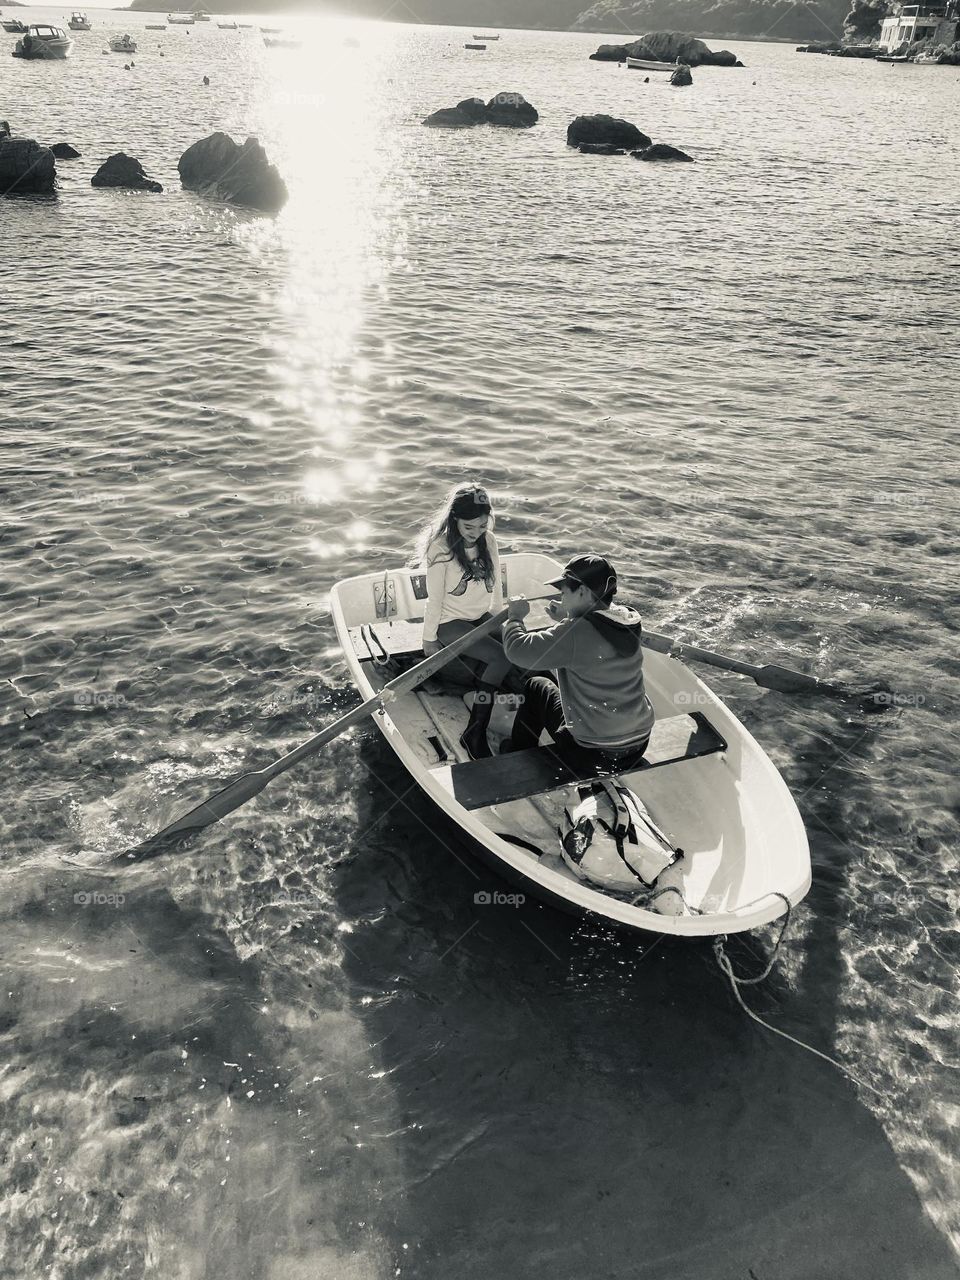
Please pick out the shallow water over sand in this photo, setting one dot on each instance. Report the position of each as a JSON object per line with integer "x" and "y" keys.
{"x": 301, "y": 1049}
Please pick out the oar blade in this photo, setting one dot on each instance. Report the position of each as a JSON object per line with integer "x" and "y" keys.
{"x": 202, "y": 815}
{"x": 785, "y": 680}
{"x": 876, "y": 697}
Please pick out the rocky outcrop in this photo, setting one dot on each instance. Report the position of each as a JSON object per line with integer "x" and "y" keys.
{"x": 605, "y": 130}
{"x": 661, "y": 151}
{"x": 505, "y": 110}
{"x": 511, "y": 111}
{"x": 600, "y": 149}
{"x": 216, "y": 166}
{"x": 862, "y": 24}
{"x": 668, "y": 46}
{"x": 64, "y": 151}
{"x": 681, "y": 78}
{"x": 26, "y": 168}
{"x": 121, "y": 170}
{"x": 450, "y": 118}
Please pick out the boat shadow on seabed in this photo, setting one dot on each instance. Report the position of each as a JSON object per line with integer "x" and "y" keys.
{"x": 575, "y": 1103}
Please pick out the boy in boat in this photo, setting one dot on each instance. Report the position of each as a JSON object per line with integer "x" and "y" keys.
{"x": 598, "y": 713}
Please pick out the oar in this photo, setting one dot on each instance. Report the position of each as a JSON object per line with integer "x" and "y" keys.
{"x": 251, "y": 784}
{"x": 783, "y": 679}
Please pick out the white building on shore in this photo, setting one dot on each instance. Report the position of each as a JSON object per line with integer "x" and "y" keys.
{"x": 936, "y": 22}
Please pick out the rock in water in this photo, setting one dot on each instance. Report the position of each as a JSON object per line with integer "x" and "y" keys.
{"x": 4, "y": 129}
{"x": 511, "y": 111}
{"x": 216, "y": 166}
{"x": 600, "y": 149}
{"x": 475, "y": 109}
{"x": 661, "y": 151}
{"x": 668, "y": 46}
{"x": 121, "y": 170}
{"x": 681, "y": 77}
{"x": 26, "y": 166}
{"x": 605, "y": 129}
{"x": 64, "y": 151}
{"x": 507, "y": 110}
{"x": 451, "y": 118}
{"x": 610, "y": 53}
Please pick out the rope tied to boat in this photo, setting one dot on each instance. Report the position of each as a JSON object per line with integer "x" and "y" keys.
{"x": 736, "y": 982}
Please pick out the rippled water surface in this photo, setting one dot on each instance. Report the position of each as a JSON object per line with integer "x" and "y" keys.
{"x": 299, "y": 1048}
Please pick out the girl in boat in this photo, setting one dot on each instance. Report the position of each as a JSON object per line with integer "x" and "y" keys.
{"x": 459, "y": 553}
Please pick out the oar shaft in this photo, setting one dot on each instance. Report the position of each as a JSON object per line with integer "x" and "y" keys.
{"x": 400, "y": 684}
{"x": 674, "y": 649}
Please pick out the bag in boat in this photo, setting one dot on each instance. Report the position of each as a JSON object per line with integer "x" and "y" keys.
{"x": 610, "y": 840}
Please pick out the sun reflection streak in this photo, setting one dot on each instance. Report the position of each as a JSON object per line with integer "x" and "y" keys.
{"x": 324, "y": 108}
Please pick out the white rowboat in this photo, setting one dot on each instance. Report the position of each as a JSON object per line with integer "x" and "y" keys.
{"x": 705, "y": 780}
{"x": 645, "y": 64}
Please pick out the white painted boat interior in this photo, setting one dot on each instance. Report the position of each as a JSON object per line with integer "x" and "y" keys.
{"x": 730, "y": 812}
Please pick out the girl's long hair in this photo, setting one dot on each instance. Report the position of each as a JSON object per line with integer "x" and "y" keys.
{"x": 442, "y": 528}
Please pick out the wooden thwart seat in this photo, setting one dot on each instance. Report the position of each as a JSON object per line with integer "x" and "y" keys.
{"x": 478, "y": 783}
{"x": 388, "y": 639}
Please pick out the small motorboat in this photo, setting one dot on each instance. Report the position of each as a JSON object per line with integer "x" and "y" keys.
{"x": 201, "y": 15}
{"x": 706, "y": 782}
{"x": 891, "y": 57}
{"x": 42, "y": 41}
{"x": 281, "y": 42}
{"x": 79, "y": 22}
{"x": 181, "y": 19}
{"x": 14, "y": 26}
{"x": 228, "y": 26}
{"x": 476, "y": 37}
{"x": 646, "y": 64}
{"x": 123, "y": 44}
{"x": 475, "y": 46}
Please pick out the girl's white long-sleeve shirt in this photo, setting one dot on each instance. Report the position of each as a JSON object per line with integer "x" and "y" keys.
{"x": 453, "y": 594}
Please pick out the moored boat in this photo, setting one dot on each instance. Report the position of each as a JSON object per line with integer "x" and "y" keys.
{"x": 14, "y": 26}
{"x": 647, "y": 64}
{"x": 705, "y": 780}
{"x": 181, "y": 19}
{"x": 42, "y": 41}
{"x": 79, "y": 22}
{"x": 228, "y": 26}
{"x": 476, "y": 37}
{"x": 474, "y": 46}
{"x": 123, "y": 44}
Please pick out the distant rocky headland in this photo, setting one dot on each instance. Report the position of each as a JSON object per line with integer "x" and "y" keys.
{"x": 717, "y": 19}
{"x": 832, "y": 21}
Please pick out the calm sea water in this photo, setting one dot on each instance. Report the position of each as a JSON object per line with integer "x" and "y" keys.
{"x": 300, "y": 1049}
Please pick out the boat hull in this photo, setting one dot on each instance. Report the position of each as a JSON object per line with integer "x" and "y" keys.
{"x": 49, "y": 51}
{"x": 744, "y": 841}
{"x": 643, "y": 64}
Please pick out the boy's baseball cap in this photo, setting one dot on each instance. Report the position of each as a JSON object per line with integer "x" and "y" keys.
{"x": 595, "y": 572}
